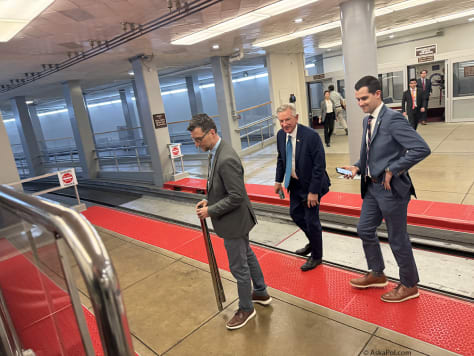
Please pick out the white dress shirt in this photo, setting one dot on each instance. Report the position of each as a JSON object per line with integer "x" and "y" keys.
{"x": 375, "y": 116}
{"x": 293, "y": 143}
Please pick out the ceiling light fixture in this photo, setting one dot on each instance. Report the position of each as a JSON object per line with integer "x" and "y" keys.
{"x": 410, "y": 26}
{"x": 391, "y": 36}
{"x": 298, "y": 20}
{"x": 17, "y": 14}
{"x": 215, "y": 46}
{"x": 334, "y": 24}
{"x": 242, "y": 21}
{"x": 471, "y": 19}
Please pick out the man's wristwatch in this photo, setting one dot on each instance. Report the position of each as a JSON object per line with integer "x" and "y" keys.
{"x": 387, "y": 170}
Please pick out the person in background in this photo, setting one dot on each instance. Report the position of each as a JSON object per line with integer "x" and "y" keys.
{"x": 425, "y": 85}
{"x": 301, "y": 166}
{"x": 232, "y": 216}
{"x": 339, "y": 108}
{"x": 327, "y": 117}
{"x": 390, "y": 147}
{"x": 412, "y": 103}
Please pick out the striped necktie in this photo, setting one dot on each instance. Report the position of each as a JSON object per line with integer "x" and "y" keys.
{"x": 369, "y": 137}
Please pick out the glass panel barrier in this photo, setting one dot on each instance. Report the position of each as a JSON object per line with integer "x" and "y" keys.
{"x": 41, "y": 244}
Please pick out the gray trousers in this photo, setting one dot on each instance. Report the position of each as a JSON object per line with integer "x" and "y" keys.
{"x": 379, "y": 203}
{"x": 245, "y": 268}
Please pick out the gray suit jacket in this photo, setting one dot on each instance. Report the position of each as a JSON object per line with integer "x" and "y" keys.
{"x": 394, "y": 145}
{"x": 324, "y": 109}
{"x": 228, "y": 203}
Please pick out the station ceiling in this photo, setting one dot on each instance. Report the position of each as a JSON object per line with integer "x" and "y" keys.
{"x": 67, "y": 27}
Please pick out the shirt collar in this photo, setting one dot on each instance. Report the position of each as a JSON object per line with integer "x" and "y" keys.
{"x": 293, "y": 134}
{"x": 216, "y": 146}
{"x": 376, "y": 112}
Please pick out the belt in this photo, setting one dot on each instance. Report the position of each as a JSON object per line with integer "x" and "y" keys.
{"x": 373, "y": 179}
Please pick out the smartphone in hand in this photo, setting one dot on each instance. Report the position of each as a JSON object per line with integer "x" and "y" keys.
{"x": 281, "y": 193}
{"x": 343, "y": 171}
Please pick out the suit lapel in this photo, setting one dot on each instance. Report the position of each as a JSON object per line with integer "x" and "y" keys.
{"x": 299, "y": 142}
{"x": 377, "y": 124}
{"x": 210, "y": 179}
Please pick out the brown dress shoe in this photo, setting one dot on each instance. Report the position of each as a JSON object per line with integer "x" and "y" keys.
{"x": 264, "y": 300}
{"x": 400, "y": 293}
{"x": 369, "y": 280}
{"x": 240, "y": 319}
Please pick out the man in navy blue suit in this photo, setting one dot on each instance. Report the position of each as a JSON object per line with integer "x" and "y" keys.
{"x": 390, "y": 147}
{"x": 301, "y": 166}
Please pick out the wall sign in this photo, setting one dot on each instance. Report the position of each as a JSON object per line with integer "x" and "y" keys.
{"x": 425, "y": 50}
{"x": 67, "y": 178}
{"x": 469, "y": 71}
{"x": 159, "y": 120}
{"x": 425, "y": 59}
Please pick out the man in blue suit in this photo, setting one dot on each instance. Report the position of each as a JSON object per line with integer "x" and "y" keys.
{"x": 390, "y": 147}
{"x": 301, "y": 165}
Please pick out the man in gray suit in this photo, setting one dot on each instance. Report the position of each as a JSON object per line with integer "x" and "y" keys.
{"x": 232, "y": 216}
{"x": 390, "y": 147}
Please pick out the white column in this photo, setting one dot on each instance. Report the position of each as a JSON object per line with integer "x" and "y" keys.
{"x": 359, "y": 49}
{"x": 150, "y": 103}
{"x": 31, "y": 148}
{"x": 127, "y": 114}
{"x": 286, "y": 75}
{"x": 81, "y": 128}
{"x": 221, "y": 69}
{"x": 194, "y": 94}
{"x": 9, "y": 172}
{"x": 35, "y": 121}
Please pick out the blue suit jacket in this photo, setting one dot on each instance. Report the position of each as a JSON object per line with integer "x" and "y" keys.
{"x": 310, "y": 161}
{"x": 394, "y": 145}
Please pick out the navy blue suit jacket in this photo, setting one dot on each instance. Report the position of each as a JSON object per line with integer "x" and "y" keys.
{"x": 394, "y": 145}
{"x": 310, "y": 161}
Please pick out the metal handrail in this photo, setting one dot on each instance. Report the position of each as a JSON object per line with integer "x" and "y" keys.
{"x": 254, "y": 123}
{"x": 92, "y": 258}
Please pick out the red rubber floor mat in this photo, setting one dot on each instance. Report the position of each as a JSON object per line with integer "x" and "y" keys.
{"x": 436, "y": 319}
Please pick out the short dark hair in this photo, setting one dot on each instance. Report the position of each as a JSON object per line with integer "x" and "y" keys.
{"x": 326, "y": 91}
{"x": 370, "y": 82}
{"x": 331, "y": 87}
{"x": 203, "y": 121}
{"x": 412, "y": 80}
{"x": 424, "y": 70}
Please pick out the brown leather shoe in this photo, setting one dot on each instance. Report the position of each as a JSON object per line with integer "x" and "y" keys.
{"x": 240, "y": 319}
{"x": 400, "y": 294}
{"x": 264, "y": 300}
{"x": 369, "y": 280}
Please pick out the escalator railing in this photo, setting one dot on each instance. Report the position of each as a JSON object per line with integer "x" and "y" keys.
{"x": 41, "y": 241}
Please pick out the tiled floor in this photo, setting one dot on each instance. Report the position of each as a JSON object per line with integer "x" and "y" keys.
{"x": 447, "y": 175}
{"x": 171, "y": 311}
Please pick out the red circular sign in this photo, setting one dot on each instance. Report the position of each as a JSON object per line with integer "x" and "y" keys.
{"x": 67, "y": 178}
{"x": 175, "y": 151}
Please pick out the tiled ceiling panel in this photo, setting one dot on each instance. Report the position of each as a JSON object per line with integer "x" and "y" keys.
{"x": 68, "y": 26}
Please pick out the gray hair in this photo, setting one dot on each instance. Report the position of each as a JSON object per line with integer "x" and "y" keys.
{"x": 285, "y": 107}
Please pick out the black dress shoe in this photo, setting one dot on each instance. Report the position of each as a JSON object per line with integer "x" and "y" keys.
{"x": 304, "y": 251}
{"x": 310, "y": 264}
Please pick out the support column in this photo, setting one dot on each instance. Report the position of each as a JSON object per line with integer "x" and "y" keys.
{"x": 9, "y": 172}
{"x": 359, "y": 49}
{"x": 127, "y": 114}
{"x": 286, "y": 75}
{"x": 194, "y": 94}
{"x": 221, "y": 70}
{"x": 149, "y": 104}
{"x": 35, "y": 121}
{"x": 81, "y": 128}
{"x": 31, "y": 148}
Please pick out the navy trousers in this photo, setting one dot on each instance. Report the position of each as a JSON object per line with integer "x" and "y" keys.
{"x": 380, "y": 204}
{"x": 306, "y": 218}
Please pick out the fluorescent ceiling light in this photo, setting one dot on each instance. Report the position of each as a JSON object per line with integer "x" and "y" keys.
{"x": 242, "y": 21}
{"x": 471, "y": 19}
{"x": 215, "y": 46}
{"x": 311, "y": 65}
{"x": 17, "y": 14}
{"x": 410, "y": 26}
{"x": 334, "y": 24}
{"x": 298, "y": 20}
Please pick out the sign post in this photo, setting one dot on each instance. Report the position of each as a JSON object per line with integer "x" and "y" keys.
{"x": 175, "y": 153}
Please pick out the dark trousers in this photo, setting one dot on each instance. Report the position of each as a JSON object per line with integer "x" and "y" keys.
{"x": 414, "y": 117}
{"x": 329, "y": 126}
{"x": 380, "y": 204}
{"x": 424, "y": 115}
{"x": 306, "y": 218}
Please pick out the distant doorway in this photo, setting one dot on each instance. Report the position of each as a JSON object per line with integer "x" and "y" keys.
{"x": 437, "y": 101}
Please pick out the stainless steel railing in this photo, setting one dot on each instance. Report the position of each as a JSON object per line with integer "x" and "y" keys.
{"x": 95, "y": 265}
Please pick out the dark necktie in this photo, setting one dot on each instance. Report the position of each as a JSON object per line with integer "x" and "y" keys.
{"x": 209, "y": 163}
{"x": 423, "y": 84}
{"x": 289, "y": 156}
{"x": 369, "y": 136}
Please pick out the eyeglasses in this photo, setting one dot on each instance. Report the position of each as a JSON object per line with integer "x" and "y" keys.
{"x": 199, "y": 139}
